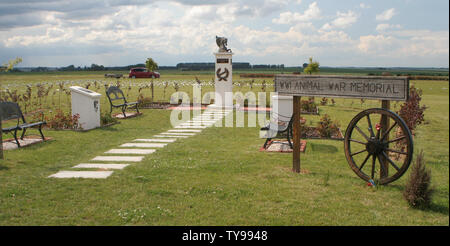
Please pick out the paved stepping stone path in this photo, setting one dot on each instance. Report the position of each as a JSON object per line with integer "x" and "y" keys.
{"x": 82, "y": 174}
{"x": 158, "y": 140}
{"x": 144, "y": 145}
{"x": 101, "y": 166}
{"x": 134, "y": 152}
{"x": 130, "y": 151}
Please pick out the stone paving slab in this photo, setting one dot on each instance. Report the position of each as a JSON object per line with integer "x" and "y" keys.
{"x": 128, "y": 115}
{"x": 9, "y": 144}
{"x": 200, "y": 121}
{"x": 130, "y": 151}
{"x": 82, "y": 174}
{"x": 191, "y": 127}
{"x": 102, "y": 166}
{"x": 178, "y": 133}
{"x": 170, "y": 136}
{"x": 119, "y": 158}
{"x": 144, "y": 145}
{"x": 196, "y": 124}
{"x": 185, "y": 130}
{"x": 155, "y": 140}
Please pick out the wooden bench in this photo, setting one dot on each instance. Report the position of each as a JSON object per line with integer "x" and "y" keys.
{"x": 11, "y": 111}
{"x": 280, "y": 125}
{"x": 117, "y": 100}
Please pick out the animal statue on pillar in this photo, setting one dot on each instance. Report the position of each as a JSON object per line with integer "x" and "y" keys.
{"x": 222, "y": 42}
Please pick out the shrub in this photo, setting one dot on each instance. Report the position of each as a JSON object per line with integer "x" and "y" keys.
{"x": 418, "y": 192}
{"x": 411, "y": 111}
{"x": 60, "y": 120}
{"x": 309, "y": 105}
{"x": 106, "y": 119}
{"x": 143, "y": 101}
{"x": 326, "y": 126}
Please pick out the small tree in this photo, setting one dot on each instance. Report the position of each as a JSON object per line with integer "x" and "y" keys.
{"x": 411, "y": 111}
{"x": 10, "y": 65}
{"x": 151, "y": 65}
{"x": 313, "y": 67}
{"x": 418, "y": 191}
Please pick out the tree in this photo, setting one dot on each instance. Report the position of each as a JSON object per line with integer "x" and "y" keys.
{"x": 6, "y": 67}
{"x": 313, "y": 67}
{"x": 151, "y": 65}
{"x": 10, "y": 65}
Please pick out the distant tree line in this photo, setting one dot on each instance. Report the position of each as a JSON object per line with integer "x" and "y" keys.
{"x": 236, "y": 65}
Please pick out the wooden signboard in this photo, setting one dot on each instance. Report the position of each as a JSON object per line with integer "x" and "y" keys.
{"x": 385, "y": 88}
{"x": 393, "y": 88}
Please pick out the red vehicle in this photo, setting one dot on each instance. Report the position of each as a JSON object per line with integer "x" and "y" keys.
{"x": 142, "y": 72}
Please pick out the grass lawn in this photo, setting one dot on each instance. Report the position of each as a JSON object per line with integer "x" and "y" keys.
{"x": 218, "y": 177}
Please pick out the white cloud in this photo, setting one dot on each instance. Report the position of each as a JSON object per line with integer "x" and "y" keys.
{"x": 182, "y": 31}
{"x": 343, "y": 20}
{"x": 378, "y": 44}
{"x": 385, "y": 26}
{"x": 386, "y": 15}
{"x": 406, "y": 43}
{"x": 364, "y": 6}
{"x": 312, "y": 13}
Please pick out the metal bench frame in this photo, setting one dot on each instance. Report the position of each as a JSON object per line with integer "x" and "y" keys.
{"x": 114, "y": 93}
{"x": 10, "y": 111}
{"x": 279, "y": 126}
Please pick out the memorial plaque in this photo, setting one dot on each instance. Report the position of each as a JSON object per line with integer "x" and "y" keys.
{"x": 370, "y": 87}
{"x": 222, "y": 60}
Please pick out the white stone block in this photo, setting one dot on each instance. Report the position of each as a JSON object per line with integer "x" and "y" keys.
{"x": 86, "y": 104}
{"x": 185, "y": 130}
{"x": 170, "y": 136}
{"x": 130, "y": 151}
{"x": 191, "y": 127}
{"x": 155, "y": 140}
{"x": 100, "y": 165}
{"x": 119, "y": 158}
{"x": 82, "y": 174}
{"x": 144, "y": 145}
{"x": 178, "y": 134}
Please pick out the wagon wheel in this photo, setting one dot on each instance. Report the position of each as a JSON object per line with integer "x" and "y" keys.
{"x": 378, "y": 134}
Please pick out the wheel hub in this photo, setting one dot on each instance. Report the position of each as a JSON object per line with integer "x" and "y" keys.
{"x": 375, "y": 147}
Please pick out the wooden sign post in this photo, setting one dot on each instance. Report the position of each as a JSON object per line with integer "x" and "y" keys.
{"x": 383, "y": 88}
{"x": 296, "y": 132}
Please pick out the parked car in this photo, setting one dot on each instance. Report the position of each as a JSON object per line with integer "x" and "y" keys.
{"x": 142, "y": 72}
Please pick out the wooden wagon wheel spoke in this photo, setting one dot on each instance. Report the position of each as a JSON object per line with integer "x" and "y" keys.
{"x": 396, "y": 140}
{"x": 374, "y": 158}
{"x": 377, "y": 146}
{"x": 362, "y": 133}
{"x": 388, "y": 131}
{"x": 382, "y": 167}
{"x": 397, "y": 151}
{"x": 390, "y": 161}
{"x": 365, "y": 160}
{"x": 359, "y": 152}
{"x": 372, "y": 134}
{"x": 357, "y": 141}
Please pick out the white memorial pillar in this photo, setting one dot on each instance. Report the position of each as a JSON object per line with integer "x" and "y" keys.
{"x": 223, "y": 81}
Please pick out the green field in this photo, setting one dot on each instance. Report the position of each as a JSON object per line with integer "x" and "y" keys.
{"x": 217, "y": 177}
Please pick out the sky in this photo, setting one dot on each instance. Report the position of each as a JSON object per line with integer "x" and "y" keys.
{"x": 359, "y": 33}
